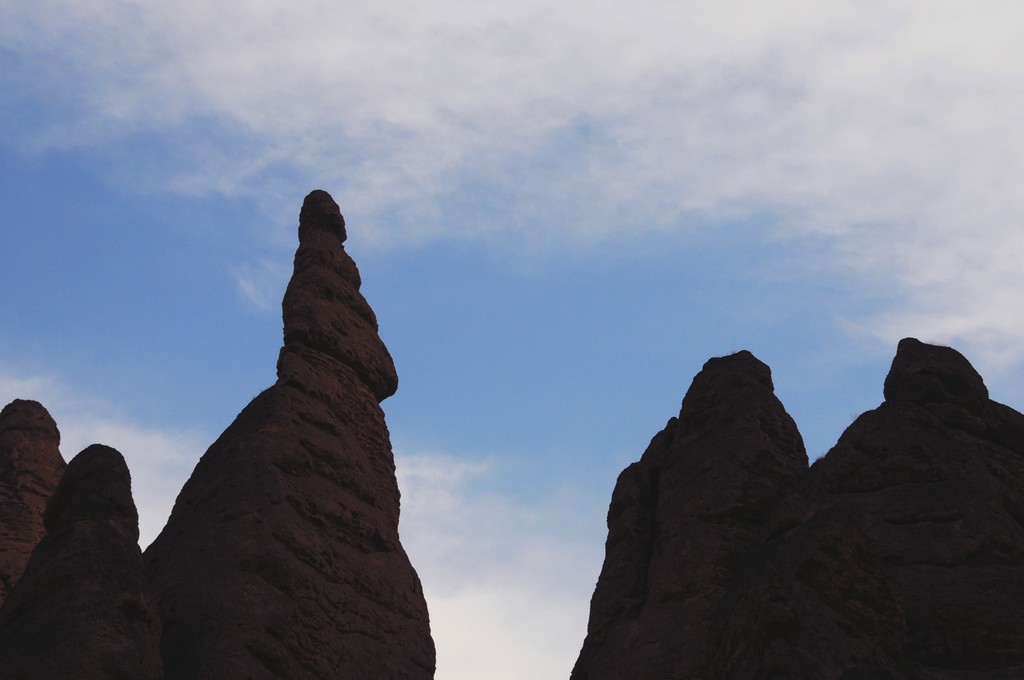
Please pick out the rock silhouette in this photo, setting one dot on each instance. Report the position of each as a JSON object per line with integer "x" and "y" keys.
{"x": 81, "y": 608}
{"x": 281, "y": 558}
{"x": 30, "y": 468}
{"x": 899, "y": 554}
{"x": 935, "y": 479}
{"x": 683, "y": 521}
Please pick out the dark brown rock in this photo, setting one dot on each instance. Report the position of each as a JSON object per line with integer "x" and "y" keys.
{"x": 812, "y": 603}
{"x": 81, "y": 608}
{"x": 30, "y": 468}
{"x": 898, "y": 555}
{"x": 684, "y": 519}
{"x": 323, "y": 309}
{"x": 281, "y": 558}
{"x": 935, "y": 476}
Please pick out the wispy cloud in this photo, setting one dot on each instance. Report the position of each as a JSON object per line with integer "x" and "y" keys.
{"x": 261, "y": 283}
{"x": 159, "y": 460}
{"x": 508, "y": 583}
{"x": 890, "y": 130}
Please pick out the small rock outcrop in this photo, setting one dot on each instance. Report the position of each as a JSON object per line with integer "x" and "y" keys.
{"x": 281, "y": 558}
{"x": 81, "y": 608}
{"x": 683, "y": 522}
{"x": 898, "y": 555}
{"x": 30, "y": 468}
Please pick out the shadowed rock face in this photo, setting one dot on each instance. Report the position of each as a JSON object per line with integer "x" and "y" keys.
{"x": 80, "y": 609}
{"x": 900, "y": 554}
{"x": 683, "y": 521}
{"x": 30, "y": 468}
{"x": 935, "y": 478}
{"x": 281, "y": 558}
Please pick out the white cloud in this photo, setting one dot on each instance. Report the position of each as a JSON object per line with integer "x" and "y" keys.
{"x": 261, "y": 283}
{"x": 889, "y": 129}
{"x": 159, "y": 460}
{"x": 508, "y": 583}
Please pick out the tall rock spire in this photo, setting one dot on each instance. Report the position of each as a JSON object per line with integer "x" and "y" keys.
{"x": 281, "y": 557}
{"x": 324, "y": 313}
{"x": 30, "y": 468}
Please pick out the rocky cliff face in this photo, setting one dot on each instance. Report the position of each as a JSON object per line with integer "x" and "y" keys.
{"x": 683, "y": 522}
{"x": 30, "y": 468}
{"x": 935, "y": 480}
{"x": 281, "y": 558}
{"x": 81, "y": 608}
{"x": 899, "y": 554}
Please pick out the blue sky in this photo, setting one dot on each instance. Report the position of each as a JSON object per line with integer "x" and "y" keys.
{"x": 559, "y": 212}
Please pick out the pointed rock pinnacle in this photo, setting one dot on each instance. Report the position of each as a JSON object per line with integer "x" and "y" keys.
{"x": 281, "y": 557}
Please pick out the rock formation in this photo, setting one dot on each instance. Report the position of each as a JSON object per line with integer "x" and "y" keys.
{"x": 281, "y": 558}
{"x": 30, "y": 468}
{"x": 935, "y": 479}
{"x": 683, "y": 521}
{"x": 899, "y": 554}
{"x": 80, "y": 609}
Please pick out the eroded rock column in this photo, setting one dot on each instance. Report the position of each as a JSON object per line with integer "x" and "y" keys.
{"x": 281, "y": 557}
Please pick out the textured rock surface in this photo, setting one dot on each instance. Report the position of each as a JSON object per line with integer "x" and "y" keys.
{"x": 30, "y": 468}
{"x": 80, "y": 609}
{"x": 684, "y": 520}
{"x": 935, "y": 478}
{"x": 281, "y": 558}
{"x": 900, "y": 554}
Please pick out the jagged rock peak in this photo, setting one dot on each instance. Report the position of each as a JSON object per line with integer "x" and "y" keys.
{"x": 935, "y": 477}
{"x": 323, "y": 309}
{"x": 81, "y": 608}
{"x": 931, "y": 374}
{"x": 30, "y": 468}
{"x": 682, "y": 521}
{"x": 725, "y": 387}
{"x": 95, "y": 487}
{"x": 739, "y": 363}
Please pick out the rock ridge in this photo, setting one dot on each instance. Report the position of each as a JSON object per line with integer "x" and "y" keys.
{"x": 898, "y": 555}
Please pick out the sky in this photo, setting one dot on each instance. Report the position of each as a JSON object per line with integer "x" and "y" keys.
{"x": 559, "y": 211}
